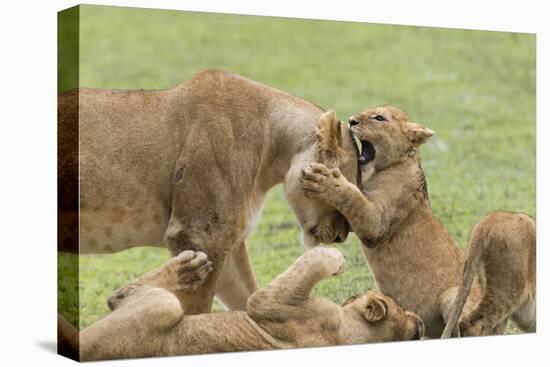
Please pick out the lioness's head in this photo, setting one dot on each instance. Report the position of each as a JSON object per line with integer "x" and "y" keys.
{"x": 333, "y": 146}
{"x": 387, "y": 135}
{"x": 374, "y": 317}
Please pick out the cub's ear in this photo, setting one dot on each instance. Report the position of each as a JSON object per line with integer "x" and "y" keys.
{"x": 329, "y": 138}
{"x": 418, "y": 134}
{"x": 376, "y": 309}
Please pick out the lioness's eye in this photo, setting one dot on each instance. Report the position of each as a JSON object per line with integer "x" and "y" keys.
{"x": 380, "y": 118}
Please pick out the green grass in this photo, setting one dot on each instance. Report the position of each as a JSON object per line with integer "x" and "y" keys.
{"x": 475, "y": 89}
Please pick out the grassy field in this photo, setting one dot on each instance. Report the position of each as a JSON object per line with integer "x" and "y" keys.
{"x": 475, "y": 89}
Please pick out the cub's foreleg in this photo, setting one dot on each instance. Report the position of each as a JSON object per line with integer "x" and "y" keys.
{"x": 372, "y": 217}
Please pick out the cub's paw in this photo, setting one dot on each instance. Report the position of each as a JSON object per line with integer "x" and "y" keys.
{"x": 317, "y": 180}
{"x": 331, "y": 258}
{"x": 468, "y": 328}
{"x": 193, "y": 269}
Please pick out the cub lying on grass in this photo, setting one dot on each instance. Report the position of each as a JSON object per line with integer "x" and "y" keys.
{"x": 148, "y": 320}
{"x": 412, "y": 256}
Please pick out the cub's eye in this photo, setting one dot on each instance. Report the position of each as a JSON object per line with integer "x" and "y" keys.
{"x": 380, "y": 118}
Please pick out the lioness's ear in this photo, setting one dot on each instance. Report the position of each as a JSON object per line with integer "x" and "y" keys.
{"x": 418, "y": 134}
{"x": 376, "y": 309}
{"x": 329, "y": 137}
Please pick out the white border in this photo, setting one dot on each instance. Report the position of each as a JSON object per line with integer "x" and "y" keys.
{"x": 28, "y": 181}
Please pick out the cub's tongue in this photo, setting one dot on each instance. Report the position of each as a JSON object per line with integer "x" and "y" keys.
{"x": 367, "y": 153}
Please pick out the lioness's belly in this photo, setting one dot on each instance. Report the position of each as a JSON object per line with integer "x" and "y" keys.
{"x": 116, "y": 227}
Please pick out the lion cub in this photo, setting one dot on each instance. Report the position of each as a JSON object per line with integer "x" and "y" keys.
{"x": 411, "y": 254}
{"x": 148, "y": 320}
{"x": 502, "y": 254}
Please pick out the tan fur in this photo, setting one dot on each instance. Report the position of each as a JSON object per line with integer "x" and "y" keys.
{"x": 148, "y": 320}
{"x": 189, "y": 168}
{"x": 502, "y": 254}
{"x": 411, "y": 254}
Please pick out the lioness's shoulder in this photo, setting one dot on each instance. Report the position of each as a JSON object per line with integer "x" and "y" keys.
{"x": 207, "y": 74}
{"x": 217, "y": 82}
{"x": 217, "y": 77}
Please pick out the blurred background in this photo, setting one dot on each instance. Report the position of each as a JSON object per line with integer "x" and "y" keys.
{"x": 476, "y": 89}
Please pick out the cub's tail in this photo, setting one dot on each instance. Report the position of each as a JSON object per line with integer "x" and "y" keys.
{"x": 475, "y": 251}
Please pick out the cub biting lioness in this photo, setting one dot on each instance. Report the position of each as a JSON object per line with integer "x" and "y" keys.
{"x": 148, "y": 320}
{"x": 413, "y": 257}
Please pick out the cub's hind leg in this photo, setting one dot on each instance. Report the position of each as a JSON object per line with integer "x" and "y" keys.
{"x": 502, "y": 288}
{"x": 186, "y": 271}
{"x": 500, "y": 328}
{"x": 502, "y": 255}
{"x": 526, "y": 316}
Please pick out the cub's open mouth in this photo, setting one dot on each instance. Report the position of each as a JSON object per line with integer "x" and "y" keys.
{"x": 367, "y": 152}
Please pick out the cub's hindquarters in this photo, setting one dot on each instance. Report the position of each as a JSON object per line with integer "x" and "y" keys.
{"x": 417, "y": 266}
{"x": 502, "y": 254}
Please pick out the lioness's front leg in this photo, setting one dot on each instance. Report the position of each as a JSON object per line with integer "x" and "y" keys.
{"x": 237, "y": 281}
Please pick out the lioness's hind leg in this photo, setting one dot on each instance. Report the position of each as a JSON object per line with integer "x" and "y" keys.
{"x": 526, "y": 316}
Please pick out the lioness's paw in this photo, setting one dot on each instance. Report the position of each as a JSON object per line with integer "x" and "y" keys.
{"x": 333, "y": 260}
{"x": 193, "y": 269}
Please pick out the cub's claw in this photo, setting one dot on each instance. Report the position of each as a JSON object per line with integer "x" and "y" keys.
{"x": 317, "y": 179}
{"x": 312, "y": 179}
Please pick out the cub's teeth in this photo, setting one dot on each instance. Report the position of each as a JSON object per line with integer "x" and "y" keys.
{"x": 358, "y": 142}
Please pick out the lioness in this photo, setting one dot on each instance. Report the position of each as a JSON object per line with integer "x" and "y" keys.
{"x": 502, "y": 255}
{"x": 189, "y": 168}
{"x": 147, "y": 318}
{"x": 411, "y": 254}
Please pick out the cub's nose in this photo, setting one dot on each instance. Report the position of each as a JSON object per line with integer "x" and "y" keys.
{"x": 352, "y": 121}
